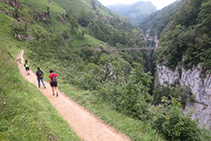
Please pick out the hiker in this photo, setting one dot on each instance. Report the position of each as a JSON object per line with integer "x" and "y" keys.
{"x": 53, "y": 82}
{"x": 26, "y": 65}
{"x": 40, "y": 75}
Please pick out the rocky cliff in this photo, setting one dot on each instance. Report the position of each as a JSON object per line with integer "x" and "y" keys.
{"x": 14, "y": 3}
{"x": 201, "y": 88}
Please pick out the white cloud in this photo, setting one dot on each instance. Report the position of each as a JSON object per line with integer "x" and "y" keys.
{"x": 161, "y": 3}
{"x": 158, "y": 3}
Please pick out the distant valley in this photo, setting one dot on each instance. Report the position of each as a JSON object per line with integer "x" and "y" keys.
{"x": 136, "y": 11}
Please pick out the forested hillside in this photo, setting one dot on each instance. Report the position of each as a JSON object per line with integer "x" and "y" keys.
{"x": 187, "y": 37}
{"x": 72, "y": 37}
{"x": 183, "y": 28}
{"x": 157, "y": 21}
{"x": 183, "y": 58}
{"x": 136, "y": 12}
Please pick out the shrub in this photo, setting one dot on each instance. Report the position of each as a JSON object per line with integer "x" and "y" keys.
{"x": 130, "y": 97}
{"x": 173, "y": 124}
{"x": 174, "y": 90}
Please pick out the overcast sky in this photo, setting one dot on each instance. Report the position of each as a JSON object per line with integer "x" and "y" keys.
{"x": 157, "y": 3}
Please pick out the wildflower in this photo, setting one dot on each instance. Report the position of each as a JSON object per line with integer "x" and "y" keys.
{"x": 186, "y": 107}
{"x": 4, "y": 103}
{"x": 167, "y": 118}
{"x": 194, "y": 107}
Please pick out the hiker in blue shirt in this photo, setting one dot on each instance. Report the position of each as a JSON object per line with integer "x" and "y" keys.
{"x": 40, "y": 75}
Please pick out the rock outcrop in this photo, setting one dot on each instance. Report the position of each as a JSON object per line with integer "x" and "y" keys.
{"x": 201, "y": 88}
{"x": 42, "y": 17}
{"x": 13, "y": 3}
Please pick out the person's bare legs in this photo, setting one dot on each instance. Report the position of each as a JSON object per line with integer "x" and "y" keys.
{"x": 53, "y": 90}
{"x": 56, "y": 91}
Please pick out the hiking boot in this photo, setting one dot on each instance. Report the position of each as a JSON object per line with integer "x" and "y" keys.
{"x": 57, "y": 94}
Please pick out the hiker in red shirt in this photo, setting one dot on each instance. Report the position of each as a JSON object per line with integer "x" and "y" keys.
{"x": 53, "y": 82}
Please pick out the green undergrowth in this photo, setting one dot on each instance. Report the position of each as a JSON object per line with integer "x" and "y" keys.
{"x": 135, "y": 129}
{"x": 25, "y": 113}
{"x": 41, "y": 6}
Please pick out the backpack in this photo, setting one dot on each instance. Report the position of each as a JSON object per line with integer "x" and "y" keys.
{"x": 54, "y": 79}
{"x": 40, "y": 74}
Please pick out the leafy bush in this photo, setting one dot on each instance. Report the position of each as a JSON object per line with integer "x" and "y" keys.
{"x": 131, "y": 96}
{"x": 183, "y": 95}
{"x": 169, "y": 120}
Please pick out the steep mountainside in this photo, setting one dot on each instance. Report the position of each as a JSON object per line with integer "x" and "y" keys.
{"x": 184, "y": 54}
{"x": 187, "y": 38}
{"x": 136, "y": 12}
{"x": 157, "y": 21}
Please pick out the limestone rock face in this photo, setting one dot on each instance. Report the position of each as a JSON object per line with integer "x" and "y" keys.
{"x": 201, "y": 88}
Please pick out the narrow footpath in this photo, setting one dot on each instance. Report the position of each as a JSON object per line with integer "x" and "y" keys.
{"x": 84, "y": 123}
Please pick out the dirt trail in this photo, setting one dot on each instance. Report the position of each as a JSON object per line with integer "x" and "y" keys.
{"x": 85, "y": 124}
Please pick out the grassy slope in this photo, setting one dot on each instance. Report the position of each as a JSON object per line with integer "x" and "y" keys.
{"x": 72, "y": 5}
{"x": 56, "y": 27}
{"x": 25, "y": 114}
{"x": 37, "y": 107}
{"x": 41, "y": 6}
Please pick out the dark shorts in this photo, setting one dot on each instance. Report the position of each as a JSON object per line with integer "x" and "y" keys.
{"x": 27, "y": 68}
{"x": 53, "y": 84}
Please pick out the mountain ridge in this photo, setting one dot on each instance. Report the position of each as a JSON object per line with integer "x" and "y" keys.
{"x": 136, "y": 11}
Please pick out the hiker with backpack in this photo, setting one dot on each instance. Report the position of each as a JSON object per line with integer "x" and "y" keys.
{"x": 27, "y": 65}
{"x": 40, "y": 75}
{"x": 53, "y": 82}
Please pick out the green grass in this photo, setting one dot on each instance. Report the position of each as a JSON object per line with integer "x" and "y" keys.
{"x": 41, "y": 6}
{"x": 25, "y": 113}
{"x": 135, "y": 129}
{"x": 5, "y": 7}
{"x": 73, "y": 5}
